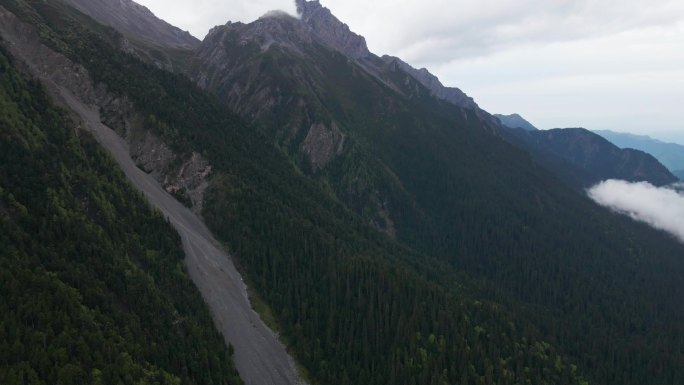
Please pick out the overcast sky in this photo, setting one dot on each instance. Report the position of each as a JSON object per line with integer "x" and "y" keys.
{"x": 599, "y": 64}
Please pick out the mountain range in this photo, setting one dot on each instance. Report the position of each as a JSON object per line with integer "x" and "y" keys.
{"x": 386, "y": 226}
{"x": 583, "y": 158}
{"x": 671, "y": 155}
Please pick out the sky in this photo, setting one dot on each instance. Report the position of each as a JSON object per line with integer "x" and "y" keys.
{"x": 598, "y": 64}
{"x": 662, "y": 208}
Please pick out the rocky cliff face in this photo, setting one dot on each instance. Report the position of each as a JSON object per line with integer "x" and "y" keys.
{"x": 135, "y": 20}
{"x": 256, "y": 67}
{"x": 335, "y": 34}
{"x": 184, "y": 175}
{"x": 315, "y": 86}
{"x": 323, "y": 144}
{"x": 331, "y": 31}
{"x": 450, "y": 94}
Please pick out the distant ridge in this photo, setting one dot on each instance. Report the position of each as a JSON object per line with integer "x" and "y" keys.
{"x": 583, "y": 158}
{"x": 669, "y": 154}
{"x": 515, "y": 121}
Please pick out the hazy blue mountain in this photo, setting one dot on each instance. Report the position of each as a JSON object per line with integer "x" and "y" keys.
{"x": 585, "y": 158}
{"x": 669, "y": 154}
{"x": 515, "y": 121}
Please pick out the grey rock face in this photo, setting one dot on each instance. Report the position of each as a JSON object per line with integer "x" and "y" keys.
{"x": 135, "y": 20}
{"x": 431, "y": 82}
{"x": 323, "y": 144}
{"x": 331, "y": 31}
{"x": 64, "y": 76}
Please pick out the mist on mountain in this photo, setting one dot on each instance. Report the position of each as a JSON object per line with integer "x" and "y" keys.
{"x": 660, "y": 207}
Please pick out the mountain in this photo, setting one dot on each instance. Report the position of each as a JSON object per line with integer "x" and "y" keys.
{"x": 669, "y": 154}
{"x": 330, "y": 31}
{"x": 389, "y": 235}
{"x": 135, "y": 21}
{"x": 586, "y": 158}
{"x": 324, "y": 106}
{"x": 515, "y": 121}
{"x": 335, "y": 34}
{"x": 93, "y": 284}
{"x": 424, "y": 171}
{"x": 431, "y": 82}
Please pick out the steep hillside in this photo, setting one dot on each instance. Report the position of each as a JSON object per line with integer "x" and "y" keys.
{"x": 93, "y": 284}
{"x": 329, "y": 113}
{"x": 492, "y": 271}
{"x": 135, "y": 21}
{"x": 429, "y": 173}
{"x": 669, "y": 154}
{"x": 583, "y": 158}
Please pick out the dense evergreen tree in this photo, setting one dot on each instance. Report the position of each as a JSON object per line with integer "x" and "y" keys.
{"x": 491, "y": 280}
{"x": 92, "y": 282}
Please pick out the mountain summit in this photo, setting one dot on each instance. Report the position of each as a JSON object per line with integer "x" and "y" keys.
{"x": 335, "y": 34}
{"x": 331, "y": 31}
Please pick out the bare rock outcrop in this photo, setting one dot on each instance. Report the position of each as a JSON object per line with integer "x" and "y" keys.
{"x": 323, "y": 144}
{"x": 186, "y": 175}
{"x": 331, "y": 31}
{"x": 137, "y": 21}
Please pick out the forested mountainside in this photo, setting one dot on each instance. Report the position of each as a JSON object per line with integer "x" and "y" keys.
{"x": 495, "y": 271}
{"x": 583, "y": 158}
{"x": 92, "y": 280}
{"x": 316, "y": 264}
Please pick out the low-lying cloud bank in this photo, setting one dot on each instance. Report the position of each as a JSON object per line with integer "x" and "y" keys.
{"x": 660, "y": 207}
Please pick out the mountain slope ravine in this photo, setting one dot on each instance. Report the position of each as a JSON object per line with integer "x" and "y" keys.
{"x": 259, "y": 357}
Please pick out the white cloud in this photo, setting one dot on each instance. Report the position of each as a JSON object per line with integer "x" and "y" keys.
{"x": 660, "y": 207}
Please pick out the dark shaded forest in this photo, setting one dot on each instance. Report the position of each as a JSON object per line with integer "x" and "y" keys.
{"x": 502, "y": 276}
{"x": 92, "y": 281}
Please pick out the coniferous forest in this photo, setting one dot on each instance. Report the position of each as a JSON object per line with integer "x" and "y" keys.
{"x": 92, "y": 279}
{"x": 499, "y": 274}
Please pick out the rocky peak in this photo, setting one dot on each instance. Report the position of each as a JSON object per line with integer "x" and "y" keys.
{"x": 274, "y": 28}
{"x": 135, "y": 21}
{"x": 331, "y": 31}
{"x": 432, "y": 83}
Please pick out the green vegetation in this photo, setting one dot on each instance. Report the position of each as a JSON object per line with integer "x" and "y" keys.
{"x": 597, "y": 285}
{"x": 499, "y": 273}
{"x": 92, "y": 279}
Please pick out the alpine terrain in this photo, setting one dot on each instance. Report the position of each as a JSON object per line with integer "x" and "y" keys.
{"x": 669, "y": 154}
{"x": 346, "y": 218}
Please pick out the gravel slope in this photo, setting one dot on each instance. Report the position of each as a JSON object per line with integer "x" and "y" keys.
{"x": 259, "y": 357}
